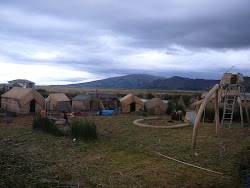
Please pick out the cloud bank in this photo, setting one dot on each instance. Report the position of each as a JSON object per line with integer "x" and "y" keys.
{"x": 60, "y": 41}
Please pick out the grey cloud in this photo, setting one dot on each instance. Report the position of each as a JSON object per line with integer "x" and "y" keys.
{"x": 208, "y": 24}
{"x": 93, "y": 35}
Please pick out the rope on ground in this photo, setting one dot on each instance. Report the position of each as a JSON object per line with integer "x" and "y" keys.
{"x": 189, "y": 164}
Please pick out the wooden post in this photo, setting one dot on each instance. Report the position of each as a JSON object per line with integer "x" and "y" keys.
{"x": 246, "y": 106}
{"x": 241, "y": 112}
{"x": 198, "y": 117}
{"x": 217, "y": 115}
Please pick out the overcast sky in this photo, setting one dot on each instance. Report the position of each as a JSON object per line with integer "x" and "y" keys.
{"x": 69, "y": 41}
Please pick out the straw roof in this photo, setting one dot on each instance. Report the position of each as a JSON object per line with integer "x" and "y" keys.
{"x": 24, "y": 95}
{"x": 156, "y": 102}
{"x": 181, "y": 102}
{"x": 104, "y": 95}
{"x": 131, "y": 98}
{"x": 82, "y": 97}
{"x": 58, "y": 97}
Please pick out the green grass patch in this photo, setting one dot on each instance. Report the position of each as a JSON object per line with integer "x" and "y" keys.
{"x": 84, "y": 129}
{"x": 42, "y": 123}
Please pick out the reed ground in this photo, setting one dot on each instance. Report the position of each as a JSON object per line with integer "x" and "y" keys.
{"x": 123, "y": 156}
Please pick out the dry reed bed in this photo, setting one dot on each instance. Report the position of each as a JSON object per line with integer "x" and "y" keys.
{"x": 123, "y": 156}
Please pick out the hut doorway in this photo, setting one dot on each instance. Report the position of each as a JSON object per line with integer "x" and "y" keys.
{"x": 32, "y": 106}
{"x": 132, "y": 107}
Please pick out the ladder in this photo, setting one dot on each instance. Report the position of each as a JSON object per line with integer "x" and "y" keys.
{"x": 229, "y": 103}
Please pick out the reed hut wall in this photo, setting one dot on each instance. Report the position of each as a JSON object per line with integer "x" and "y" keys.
{"x": 128, "y": 100}
{"x": 156, "y": 106}
{"x": 58, "y": 102}
{"x": 109, "y": 100}
{"x": 86, "y": 103}
{"x": 13, "y": 106}
{"x": 19, "y": 100}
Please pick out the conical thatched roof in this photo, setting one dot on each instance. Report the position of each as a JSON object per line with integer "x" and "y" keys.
{"x": 156, "y": 102}
{"x": 82, "y": 97}
{"x": 24, "y": 95}
{"x": 181, "y": 102}
{"x": 58, "y": 97}
{"x": 156, "y": 106}
{"x": 129, "y": 99}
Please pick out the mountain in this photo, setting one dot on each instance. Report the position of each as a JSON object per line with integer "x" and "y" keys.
{"x": 133, "y": 81}
{"x": 145, "y": 81}
{"x": 180, "y": 83}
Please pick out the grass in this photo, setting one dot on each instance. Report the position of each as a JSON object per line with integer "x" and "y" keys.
{"x": 123, "y": 156}
{"x": 162, "y": 121}
{"x": 84, "y": 129}
{"x": 42, "y": 123}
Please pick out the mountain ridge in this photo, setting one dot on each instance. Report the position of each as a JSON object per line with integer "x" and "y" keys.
{"x": 132, "y": 81}
{"x": 145, "y": 81}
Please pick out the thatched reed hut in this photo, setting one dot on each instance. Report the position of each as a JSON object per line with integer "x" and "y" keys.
{"x": 22, "y": 100}
{"x": 181, "y": 102}
{"x": 156, "y": 106}
{"x": 131, "y": 103}
{"x": 83, "y": 102}
{"x": 58, "y": 102}
{"x": 109, "y": 100}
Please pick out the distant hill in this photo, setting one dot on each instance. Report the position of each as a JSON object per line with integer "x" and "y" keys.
{"x": 133, "y": 81}
{"x": 145, "y": 81}
{"x": 180, "y": 83}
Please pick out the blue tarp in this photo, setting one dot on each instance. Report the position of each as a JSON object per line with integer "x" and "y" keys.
{"x": 107, "y": 112}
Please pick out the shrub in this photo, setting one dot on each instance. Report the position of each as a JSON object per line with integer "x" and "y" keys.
{"x": 140, "y": 95}
{"x": 43, "y": 92}
{"x": 150, "y": 96}
{"x": 171, "y": 107}
{"x": 84, "y": 129}
{"x": 71, "y": 95}
{"x": 120, "y": 95}
{"x": 186, "y": 99}
{"x": 46, "y": 125}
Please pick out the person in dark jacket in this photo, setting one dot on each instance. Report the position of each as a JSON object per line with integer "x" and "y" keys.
{"x": 66, "y": 118}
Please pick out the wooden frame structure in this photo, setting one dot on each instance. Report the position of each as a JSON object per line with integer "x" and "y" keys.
{"x": 226, "y": 80}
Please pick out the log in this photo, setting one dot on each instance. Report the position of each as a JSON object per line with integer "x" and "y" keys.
{"x": 246, "y": 107}
{"x": 241, "y": 112}
{"x": 217, "y": 115}
{"x": 198, "y": 117}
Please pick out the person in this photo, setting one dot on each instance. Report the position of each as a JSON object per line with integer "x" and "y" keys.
{"x": 43, "y": 112}
{"x": 66, "y": 118}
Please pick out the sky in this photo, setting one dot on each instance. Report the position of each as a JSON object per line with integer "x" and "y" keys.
{"x": 61, "y": 41}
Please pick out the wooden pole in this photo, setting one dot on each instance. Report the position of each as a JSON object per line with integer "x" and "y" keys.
{"x": 246, "y": 107}
{"x": 217, "y": 115}
{"x": 241, "y": 112}
{"x": 198, "y": 117}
